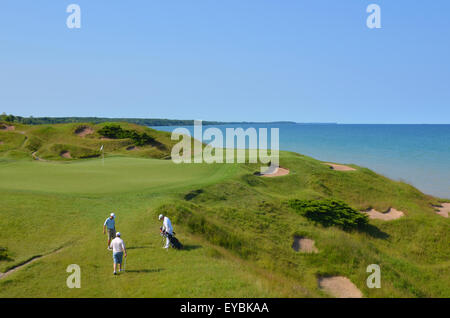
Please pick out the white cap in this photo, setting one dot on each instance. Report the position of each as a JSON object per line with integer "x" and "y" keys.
{"x": 118, "y": 234}
{"x": 113, "y": 215}
{"x": 160, "y": 216}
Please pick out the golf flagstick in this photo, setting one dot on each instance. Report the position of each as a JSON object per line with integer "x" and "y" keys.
{"x": 103, "y": 155}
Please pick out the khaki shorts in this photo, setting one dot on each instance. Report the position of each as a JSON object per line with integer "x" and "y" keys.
{"x": 111, "y": 234}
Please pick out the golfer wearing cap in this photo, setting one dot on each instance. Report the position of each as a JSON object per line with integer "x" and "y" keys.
{"x": 118, "y": 247}
{"x": 110, "y": 224}
{"x": 167, "y": 227}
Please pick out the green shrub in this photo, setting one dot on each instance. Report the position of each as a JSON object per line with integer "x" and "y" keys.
{"x": 116, "y": 132}
{"x": 330, "y": 212}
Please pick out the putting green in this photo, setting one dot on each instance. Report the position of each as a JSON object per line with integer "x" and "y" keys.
{"x": 117, "y": 174}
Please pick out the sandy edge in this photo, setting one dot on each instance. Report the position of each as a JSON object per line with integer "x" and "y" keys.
{"x": 443, "y": 210}
{"x": 66, "y": 154}
{"x": 303, "y": 244}
{"x": 339, "y": 167}
{"x": 391, "y": 214}
{"x": 8, "y": 128}
{"x": 278, "y": 172}
{"x": 85, "y": 131}
{"x": 339, "y": 287}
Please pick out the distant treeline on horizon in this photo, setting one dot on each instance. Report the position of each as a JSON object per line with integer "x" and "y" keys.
{"x": 138, "y": 121}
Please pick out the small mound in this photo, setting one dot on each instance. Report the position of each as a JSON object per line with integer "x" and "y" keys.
{"x": 130, "y": 148}
{"x": 391, "y": 214}
{"x": 277, "y": 173}
{"x": 303, "y": 244}
{"x": 84, "y": 131}
{"x": 339, "y": 287}
{"x": 444, "y": 209}
{"x": 339, "y": 167}
{"x": 66, "y": 154}
{"x": 7, "y": 128}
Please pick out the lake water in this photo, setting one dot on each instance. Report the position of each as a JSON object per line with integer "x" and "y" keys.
{"x": 417, "y": 154}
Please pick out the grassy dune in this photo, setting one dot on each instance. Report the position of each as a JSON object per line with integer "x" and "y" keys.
{"x": 237, "y": 226}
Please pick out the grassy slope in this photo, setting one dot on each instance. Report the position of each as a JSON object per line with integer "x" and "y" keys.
{"x": 238, "y": 229}
{"x": 49, "y": 141}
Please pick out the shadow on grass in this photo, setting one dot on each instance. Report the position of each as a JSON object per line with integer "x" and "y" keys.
{"x": 191, "y": 247}
{"x": 137, "y": 247}
{"x": 156, "y": 270}
{"x": 373, "y": 231}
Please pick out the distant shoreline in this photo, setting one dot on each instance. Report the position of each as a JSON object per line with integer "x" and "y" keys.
{"x": 139, "y": 121}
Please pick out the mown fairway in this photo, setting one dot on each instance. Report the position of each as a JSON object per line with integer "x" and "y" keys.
{"x": 53, "y": 206}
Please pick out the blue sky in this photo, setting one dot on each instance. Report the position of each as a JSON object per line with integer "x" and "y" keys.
{"x": 229, "y": 60}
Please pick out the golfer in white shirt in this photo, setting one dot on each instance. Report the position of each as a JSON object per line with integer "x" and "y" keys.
{"x": 118, "y": 247}
{"x": 167, "y": 227}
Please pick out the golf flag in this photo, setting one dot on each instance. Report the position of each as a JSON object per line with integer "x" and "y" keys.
{"x": 101, "y": 148}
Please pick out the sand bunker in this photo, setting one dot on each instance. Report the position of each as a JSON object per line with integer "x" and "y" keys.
{"x": 303, "y": 244}
{"x": 444, "y": 209}
{"x": 1, "y": 142}
{"x": 339, "y": 167}
{"x": 66, "y": 154}
{"x": 83, "y": 131}
{"x": 130, "y": 148}
{"x": 277, "y": 173}
{"x": 7, "y": 128}
{"x": 391, "y": 214}
{"x": 339, "y": 287}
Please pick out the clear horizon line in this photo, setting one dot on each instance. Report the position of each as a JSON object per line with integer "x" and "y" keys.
{"x": 239, "y": 121}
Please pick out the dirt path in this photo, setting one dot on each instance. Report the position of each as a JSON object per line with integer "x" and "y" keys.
{"x": 391, "y": 214}
{"x": 37, "y": 158}
{"x": 27, "y": 262}
{"x": 339, "y": 287}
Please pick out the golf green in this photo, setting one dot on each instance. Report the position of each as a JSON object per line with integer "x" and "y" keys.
{"x": 116, "y": 174}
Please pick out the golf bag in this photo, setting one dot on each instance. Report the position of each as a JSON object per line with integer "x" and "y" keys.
{"x": 172, "y": 239}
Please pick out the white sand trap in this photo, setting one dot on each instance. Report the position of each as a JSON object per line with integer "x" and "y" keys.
{"x": 84, "y": 131}
{"x": 303, "y": 244}
{"x": 391, "y": 214}
{"x": 339, "y": 167}
{"x": 339, "y": 287}
{"x": 277, "y": 173}
{"x": 444, "y": 210}
{"x": 66, "y": 154}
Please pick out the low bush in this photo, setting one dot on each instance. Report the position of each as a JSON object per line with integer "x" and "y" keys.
{"x": 330, "y": 212}
{"x": 117, "y": 132}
